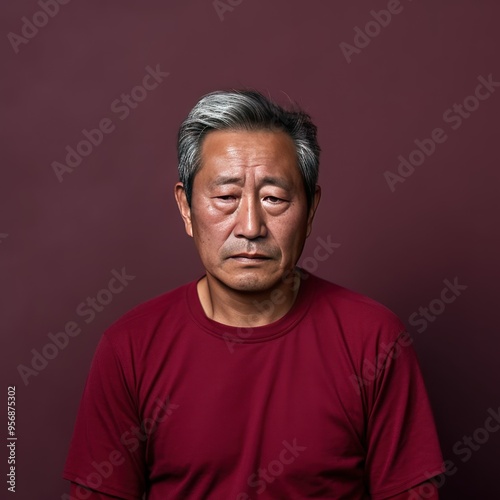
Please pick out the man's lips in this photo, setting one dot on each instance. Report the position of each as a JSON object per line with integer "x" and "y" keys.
{"x": 250, "y": 256}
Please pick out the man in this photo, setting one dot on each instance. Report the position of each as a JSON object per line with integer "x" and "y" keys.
{"x": 258, "y": 380}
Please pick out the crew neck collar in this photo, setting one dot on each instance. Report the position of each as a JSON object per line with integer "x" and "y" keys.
{"x": 250, "y": 335}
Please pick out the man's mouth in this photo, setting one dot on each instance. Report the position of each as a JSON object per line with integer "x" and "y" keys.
{"x": 250, "y": 257}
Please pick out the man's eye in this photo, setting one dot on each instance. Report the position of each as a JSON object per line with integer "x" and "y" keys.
{"x": 273, "y": 199}
{"x": 226, "y": 197}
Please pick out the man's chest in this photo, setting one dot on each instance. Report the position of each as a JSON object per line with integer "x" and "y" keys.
{"x": 264, "y": 417}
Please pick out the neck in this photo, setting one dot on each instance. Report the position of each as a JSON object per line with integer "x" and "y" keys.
{"x": 247, "y": 309}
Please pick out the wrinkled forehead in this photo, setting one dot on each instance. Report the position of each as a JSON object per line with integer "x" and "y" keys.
{"x": 230, "y": 154}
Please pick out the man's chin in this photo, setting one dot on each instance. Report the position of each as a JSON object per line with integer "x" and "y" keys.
{"x": 249, "y": 287}
{"x": 250, "y": 280}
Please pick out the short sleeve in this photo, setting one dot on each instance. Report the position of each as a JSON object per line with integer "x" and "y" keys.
{"x": 402, "y": 444}
{"x": 107, "y": 449}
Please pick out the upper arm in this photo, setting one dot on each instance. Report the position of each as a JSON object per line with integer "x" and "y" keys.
{"x": 426, "y": 490}
{"x": 78, "y": 492}
{"x": 107, "y": 452}
{"x": 402, "y": 445}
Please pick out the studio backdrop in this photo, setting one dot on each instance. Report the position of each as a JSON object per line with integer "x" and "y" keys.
{"x": 406, "y": 97}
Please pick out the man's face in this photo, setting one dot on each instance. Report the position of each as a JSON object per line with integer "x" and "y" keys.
{"x": 248, "y": 215}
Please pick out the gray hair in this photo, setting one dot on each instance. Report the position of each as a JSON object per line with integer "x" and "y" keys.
{"x": 246, "y": 110}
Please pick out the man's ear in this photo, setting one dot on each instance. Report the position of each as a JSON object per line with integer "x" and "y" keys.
{"x": 312, "y": 209}
{"x": 184, "y": 208}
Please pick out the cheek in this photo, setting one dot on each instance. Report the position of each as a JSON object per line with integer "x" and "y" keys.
{"x": 210, "y": 226}
{"x": 290, "y": 237}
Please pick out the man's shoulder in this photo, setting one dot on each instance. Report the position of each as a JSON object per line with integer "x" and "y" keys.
{"x": 353, "y": 308}
{"x": 148, "y": 315}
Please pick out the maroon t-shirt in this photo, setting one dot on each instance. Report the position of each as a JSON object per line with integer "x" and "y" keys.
{"x": 326, "y": 402}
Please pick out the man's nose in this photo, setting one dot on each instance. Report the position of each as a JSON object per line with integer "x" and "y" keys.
{"x": 250, "y": 222}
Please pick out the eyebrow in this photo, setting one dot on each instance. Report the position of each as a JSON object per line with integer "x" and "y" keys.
{"x": 275, "y": 181}
{"x": 224, "y": 180}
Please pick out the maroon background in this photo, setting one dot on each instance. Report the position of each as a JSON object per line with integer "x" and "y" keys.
{"x": 116, "y": 209}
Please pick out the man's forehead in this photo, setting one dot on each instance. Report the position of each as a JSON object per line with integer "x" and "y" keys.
{"x": 228, "y": 153}
{"x": 233, "y": 141}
